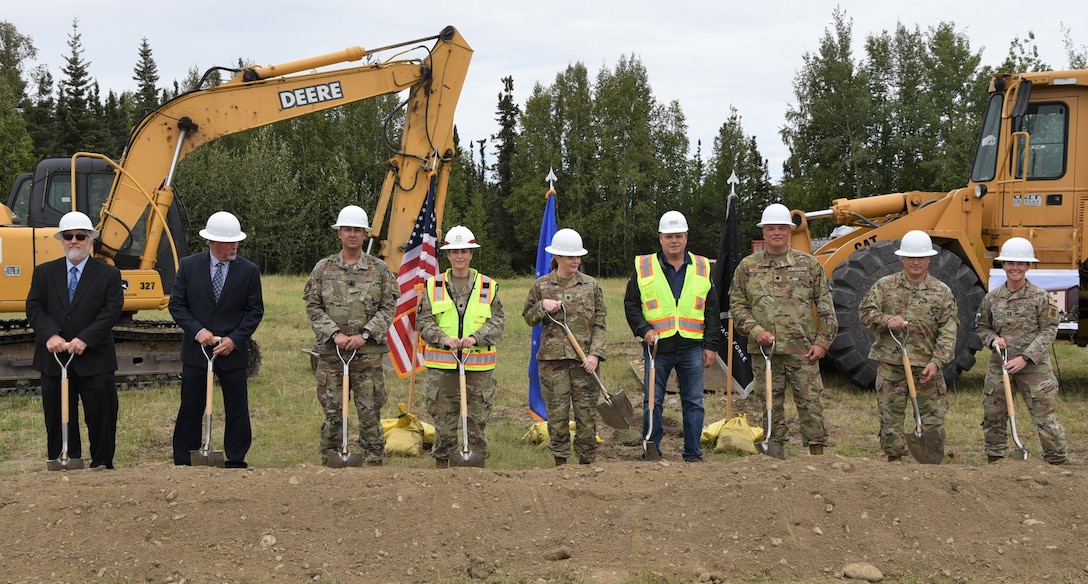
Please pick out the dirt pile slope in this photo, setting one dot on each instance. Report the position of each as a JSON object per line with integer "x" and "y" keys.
{"x": 797, "y": 520}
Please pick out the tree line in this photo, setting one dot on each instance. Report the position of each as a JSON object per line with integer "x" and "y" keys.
{"x": 904, "y": 115}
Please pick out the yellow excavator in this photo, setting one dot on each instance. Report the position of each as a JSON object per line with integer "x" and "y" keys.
{"x": 133, "y": 199}
{"x": 1029, "y": 179}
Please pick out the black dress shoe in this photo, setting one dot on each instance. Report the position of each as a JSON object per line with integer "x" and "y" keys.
{"x": 235, "y": 464}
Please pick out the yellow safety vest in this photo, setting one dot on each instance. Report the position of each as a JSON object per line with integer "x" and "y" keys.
{"x": 660, "y": 309}
{"x": 477, "y": 312}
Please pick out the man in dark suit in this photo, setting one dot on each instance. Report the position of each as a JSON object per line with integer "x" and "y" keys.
{"x": 73, "y": 304}
{"x": 216, "y": 294}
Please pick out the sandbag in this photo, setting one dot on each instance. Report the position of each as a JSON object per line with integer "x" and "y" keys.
{"x": 734, "y": 435}
{"x": 404, "y": 435}
{"x": 737, "y": 436}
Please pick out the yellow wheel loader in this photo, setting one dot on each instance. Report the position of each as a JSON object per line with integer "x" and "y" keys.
{"x": 1029, "y": 179}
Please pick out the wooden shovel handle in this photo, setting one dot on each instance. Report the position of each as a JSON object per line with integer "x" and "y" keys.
{"x": 345, "y": 386}
{"x": 208, "y": 392}
{"x": 1009, "y": 407}
{"x": 577, "y": 347}
{"x": 464, "y": 392}
{"x": 912, "y": 391}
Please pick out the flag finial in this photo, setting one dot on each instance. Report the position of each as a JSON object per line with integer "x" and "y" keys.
{"x": 551, "y": 179}
{"x": 733, "y": 182}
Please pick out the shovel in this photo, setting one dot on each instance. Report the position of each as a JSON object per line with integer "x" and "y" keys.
{"x": 926, "y": 447}
{"x": 772, "y": 449}
{"x": 344, "y": 458}
{"x": 63, "y": 462}
{"x": 465, "y": 457}
{"x": 206, "y": 456}
{"x": 1018, "y": 453}
{"x": 616, "y": 410}
{"x": 649, "y": 449}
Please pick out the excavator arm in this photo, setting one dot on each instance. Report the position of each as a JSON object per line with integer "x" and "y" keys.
{"x": 259, "y": 96}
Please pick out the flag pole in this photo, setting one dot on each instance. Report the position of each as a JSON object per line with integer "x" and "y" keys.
{"x": 729, "y": 374}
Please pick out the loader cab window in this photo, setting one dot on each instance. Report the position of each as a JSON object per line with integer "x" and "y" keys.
{"x": 985, "y": 166}
{"x": 1047, "y": 124}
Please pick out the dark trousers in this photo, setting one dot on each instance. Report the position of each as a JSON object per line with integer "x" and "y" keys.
{"x": 100, "y": 406}
{"x": 237, "y": 434}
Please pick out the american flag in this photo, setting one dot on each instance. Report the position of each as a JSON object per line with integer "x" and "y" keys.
{"x": 419, "y": 263}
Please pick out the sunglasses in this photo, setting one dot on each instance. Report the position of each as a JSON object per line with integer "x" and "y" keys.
{"x": 78, "y": 236}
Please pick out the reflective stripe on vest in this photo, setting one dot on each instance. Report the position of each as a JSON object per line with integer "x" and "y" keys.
{"x": 477, "y": 312}
{"x": 660, "y": 309}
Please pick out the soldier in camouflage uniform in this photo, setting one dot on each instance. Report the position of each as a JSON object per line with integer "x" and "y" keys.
{"x": 351, "y": 298}
{"x": 566, "y": 381}
{"x": 459, "y": 313}
{"x": 915, "y": 302}
{"x": 772, "y": 301}
{"x": 1021, "y": 318}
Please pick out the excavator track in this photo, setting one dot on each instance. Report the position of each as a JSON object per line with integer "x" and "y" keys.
{"x": 147, "y": 354}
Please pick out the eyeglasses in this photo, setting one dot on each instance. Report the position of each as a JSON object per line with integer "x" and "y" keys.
{"x": 78, "y": 236}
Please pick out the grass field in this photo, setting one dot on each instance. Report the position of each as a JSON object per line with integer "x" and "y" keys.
{"x": 286, "y": 416}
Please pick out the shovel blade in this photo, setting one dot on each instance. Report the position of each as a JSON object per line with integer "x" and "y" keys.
{"x": 467, "y": 458}
{"x": 926, "y": 448}
{"x": 772, "y": 449}
{"x": 207, "y": 458}
{"x": 343, "y": 459}
{"x": 1018, "y": 454}
{"x": 617, "y": 411}
{"x": 65, "y": 463}
{"x": 649, "y": 451}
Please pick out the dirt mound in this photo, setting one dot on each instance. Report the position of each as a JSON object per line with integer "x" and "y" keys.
{"x": 802, "y": 519}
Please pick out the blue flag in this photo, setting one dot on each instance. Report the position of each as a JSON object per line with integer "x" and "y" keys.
{"x": 548, "y": 228}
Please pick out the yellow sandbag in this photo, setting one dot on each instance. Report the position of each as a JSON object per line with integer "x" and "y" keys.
{"x": 709, "y": 437}
{"x": 737, "y": 436}
{"x": 428, "y": 433}
{"x": 403, "y": 434}
{"x": 538, "y": 433}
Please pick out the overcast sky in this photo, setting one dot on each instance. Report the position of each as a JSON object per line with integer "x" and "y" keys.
{"x": 705, "y": 54}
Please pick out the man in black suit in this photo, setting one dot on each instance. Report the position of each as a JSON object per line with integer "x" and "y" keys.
{"x": 216, "y": 293}
{"x": 73, "y": 304}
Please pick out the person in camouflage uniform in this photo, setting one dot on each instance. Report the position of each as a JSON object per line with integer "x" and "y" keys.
{"x": 772, "y": 301}
{"x": 460, "y": 312}
{"x": 566, "y": 381}
{"x": 1022, "y": 319}
{"x": 350, "y": 299}
{"x": 921, "y": 306}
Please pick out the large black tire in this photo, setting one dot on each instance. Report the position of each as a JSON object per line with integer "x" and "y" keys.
{"x": 853, "y": 278}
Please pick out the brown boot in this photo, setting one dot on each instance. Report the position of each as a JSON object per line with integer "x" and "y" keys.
{"x": 441, "y": 463}
{"x": 993, "y": 459}
{"x": 815, "y": 449}
{"x": 894, "y": 458}
{"x": 559, "y": 461}
{"x": 374, "y": 463}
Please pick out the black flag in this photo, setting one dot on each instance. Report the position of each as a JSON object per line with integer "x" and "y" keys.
{"x": 729, "y": 256}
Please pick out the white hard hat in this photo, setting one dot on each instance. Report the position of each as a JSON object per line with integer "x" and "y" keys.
{"x": 1017, "y": 249}
{"x": 352, "y": 216}
{"x": 459, "y": 237}
{"x": 223, "y": 227}
{"x": 566, "y": 243}
{"x": 672, "y": 222}
{"x": 916, "y": 244}
{"x": 776, "y": 214}
{"x": 75, "y": 220}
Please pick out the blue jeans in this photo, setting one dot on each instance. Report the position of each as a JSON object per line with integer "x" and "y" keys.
{"x": 689, "y": 376}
